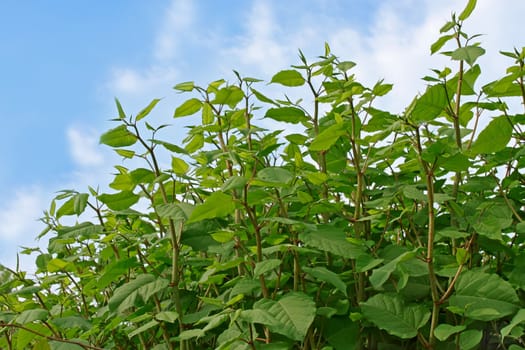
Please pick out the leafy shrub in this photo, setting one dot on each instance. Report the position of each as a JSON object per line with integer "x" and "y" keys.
{"x": 368, "y": 230}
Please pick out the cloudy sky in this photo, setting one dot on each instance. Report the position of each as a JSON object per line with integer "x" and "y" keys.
{"x": 62, "y": 64}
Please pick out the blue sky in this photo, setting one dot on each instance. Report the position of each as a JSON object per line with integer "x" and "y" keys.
{"x": 62, "y": 64}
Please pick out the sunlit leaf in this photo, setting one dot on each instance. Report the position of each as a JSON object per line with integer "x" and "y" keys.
{"x": 494, "y": 137}
{"x": 288, "y": 78}
{"x": 118, "y": 137}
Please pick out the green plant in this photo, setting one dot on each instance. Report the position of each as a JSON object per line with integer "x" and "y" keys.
{"x": 368, "y": 231}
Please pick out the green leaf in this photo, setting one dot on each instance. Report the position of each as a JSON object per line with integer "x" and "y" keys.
{"x": 287, "y": 114}
{"x": 468, "y": 54}
{"x": 333, "y": 240}
{"x": 234, "y": 183}
{"x": 167, "y": 316}
{"x": 57, "y": 264}
{"x": 430, "y": 105}
{"x": 230, "y": 96}
{"x": 32, "y": 315}
{"x": 59, "y": 345}
{"x": 327, "y": 138}
{"x": 186, "y": 86}
{"x": 381, "y": 275}
{"x": 191, "y": 333}
{"x": 389, "y": 312}
{"x": 289, "y": 77}
{"x": 265, "y": 266}
{"x": 262, "y": 98}
{"x": 179, "y": 166}
{"x": 114, "y": 271}
{"x": 323, "y": 274}
{"x": 443, "y": 331}
{"x": 125, "y": 295}
{"x": 470, "y": 339}
{"x": 69, "y": 322}
{"x": 142, "y": 114}
{"x": 119, "y": 201}
{"x": 259, "y": 316}
{"x": 118, "y": 137}
{"x": 484, "y": 296}
{"x": 468, "y": 10}
{"x": 143, "y": 328}
{"x": 207, "y": 114}
{"x": 275, "y": 175}
{"x": 189, "y": 107}
{"x": 494, "y": 137}
{"x": 457, "y": 162}
{"x": 216, "y": 205}
{"x": 120, "y": 110}
{"x": 174, "y": 211}
{"x": 152, "y": 288}
{"x": 438, "y": 44}
{"x": 294, "y": 311}
{"x": 516, "y": 320}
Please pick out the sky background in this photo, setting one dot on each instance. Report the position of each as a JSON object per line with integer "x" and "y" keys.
{"x": 62, "y": 63}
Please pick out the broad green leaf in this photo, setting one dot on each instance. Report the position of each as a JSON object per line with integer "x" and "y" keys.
{"x": 143, "y": 328}
{"x": 287, "y": 114}
{"x": 142, "y": 176}
{"x": 484, "y": 296}
{"x": 191, "y": 333}
{"x": 125, "y": 153}
{"x": 32, "y": 315}
{"x": 207, "y": 114}
{"x": 57, "y": 264}
{"x": 69, "y": 322}
{"x": 333, "y": 240}
{"x": 143, "y": 113}
{"x": 124, "y": 296}
{"x": 265, "y": 266}
{"x": 516, "y": 320}
{"x": 327, "y": 138}
{"x": 113, "y": 272}
{"x": 457, "y": 162}
{"x": 342, "y": 333}
{"x": 470, "y": 339}
{"x": 118, "y": 137}
{"x": 230, "y": 96}
{"x": 275, "y": 175}
{"x": 59, "y": 345}
{"x": 389, "y": 312}
{"x": 323, "y": 274}
{"x": 259, "y": 316}
{"x": 80, "y": 203}
{"x": 382, "y": 274}
{"x": 494, "y": 137}
{"x": 263, "y": 98}
{"x": 189, "y": 107}
{"x": 119, "y": 201}
{"x": 288, "y": 78}
{"x": 216, "y": 205}
{"x": 167, "y": 316}
{"x": 430, "y": 105}
{"x": 443, "y": 331}
{"x": 152, "y": 288}
{"x": 179, "y": 166}
{"x": 67, "y": 208}
{"x": 234, "y": 183}
{"x": 294, "y": 311}
{"x": 467, "y": 10}
{"x": 468, "y": 54}
{"x": 174, "y": 211}
{"x": 438, "y": 44}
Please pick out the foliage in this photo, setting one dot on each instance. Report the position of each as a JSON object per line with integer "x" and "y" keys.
{"x": 367, "y": 230}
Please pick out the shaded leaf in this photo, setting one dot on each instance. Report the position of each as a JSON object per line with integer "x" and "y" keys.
{"x": 332, "y": 240}
{"x": 323, "y": 274}
{"x": 287, "y": 114}
{"x": 294, "y": 311}
{"x": 468, "y": 54}
{"x": 119, "y": 201}
{"x": 391, "y": 314}
{"x": 431, "y": 104}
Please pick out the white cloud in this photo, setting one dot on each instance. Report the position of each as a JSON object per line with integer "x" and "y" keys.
{"x": 19, "y": 214}
{"x": 83, "y": 147}
{"x": 259, "y": 47}
{"x": 179, "y": 16}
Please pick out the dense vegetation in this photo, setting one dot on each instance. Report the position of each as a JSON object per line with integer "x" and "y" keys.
{"x": 368, "y": 230}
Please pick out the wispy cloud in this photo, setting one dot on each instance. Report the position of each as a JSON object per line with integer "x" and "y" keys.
{"x": 84, "y": 147}
{"x": 179, "y": 16}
